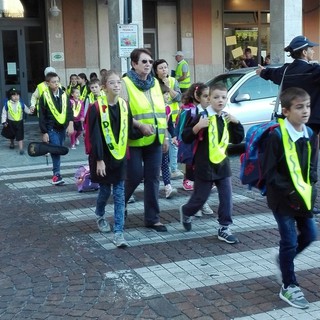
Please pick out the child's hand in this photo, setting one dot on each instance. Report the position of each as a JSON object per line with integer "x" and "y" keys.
{"x": 203, "y": 122}
{"x": 32, "y": 108}
{"x": 174, "y": 141}
{"x": 5, "y": 124}
{"x": 230, "y": 118}
{"x": 101, "y": 168}
{"x": 165, "y": 146}
{"x": 45, "y": 138}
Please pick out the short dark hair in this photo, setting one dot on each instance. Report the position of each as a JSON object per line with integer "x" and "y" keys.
{"x": 136, "y": 53}
{"x": 290, "y": 94}
{"x": 155, "y": 65}
{"x": 94, "y": 81}
{"x": 51, "y": 75}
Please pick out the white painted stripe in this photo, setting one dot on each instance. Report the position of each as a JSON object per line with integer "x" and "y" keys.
{"x": 209, "y": 271}
{"x": 290, "y": 313}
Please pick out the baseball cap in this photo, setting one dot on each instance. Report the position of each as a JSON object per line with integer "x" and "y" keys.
{"x": 300, "y": 42}
{"x": 49, "y": 69}
{"x": 179, "y": 53}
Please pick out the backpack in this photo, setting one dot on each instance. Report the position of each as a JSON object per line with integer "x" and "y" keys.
{"x": 83, "y": 179}
{"x": 250, "y": 160}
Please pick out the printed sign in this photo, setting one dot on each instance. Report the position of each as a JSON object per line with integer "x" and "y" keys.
{"x": 127, "y": 39}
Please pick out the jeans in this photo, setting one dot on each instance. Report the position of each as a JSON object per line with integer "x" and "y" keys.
{"x": 118, "y": 200}
{"x": 144, "y": 163}
{"x": 173, "y": 156}
{"x": 201, "y": 193}
{"x": 292, "y": 243}
{"x": 56, "y": 138}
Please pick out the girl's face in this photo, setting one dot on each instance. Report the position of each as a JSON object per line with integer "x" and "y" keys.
{"x": 81, "y": 81}
{"x": 218, "y": 100}
{"x": 113, "y": 85}
{"x": 76, "y": 94}
{"x": 204, "y": 98}
{"x": 74, "y": 80}
{"x": 162, "y": 70}
{"x": 15, "y": 97}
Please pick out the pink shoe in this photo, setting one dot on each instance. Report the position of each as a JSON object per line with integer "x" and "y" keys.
{"x": 187, "y": 185}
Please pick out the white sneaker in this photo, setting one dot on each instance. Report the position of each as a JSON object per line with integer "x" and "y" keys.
{"x": 198, "y": 214}
{"x": 206, "y": 209}
{"x": 169, "y": 191}
{"x": 119, "y": 240}
{"x": 103, "y": 225}
{"x": 177, "y": 174}
{"x": 77, "y": 142}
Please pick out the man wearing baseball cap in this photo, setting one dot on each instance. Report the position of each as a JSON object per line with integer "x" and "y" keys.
{"x": 182, "y": 73}
{"x": 301, "y": 73}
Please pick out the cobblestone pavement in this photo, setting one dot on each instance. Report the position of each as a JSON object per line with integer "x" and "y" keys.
{"x": 55, "y": 264}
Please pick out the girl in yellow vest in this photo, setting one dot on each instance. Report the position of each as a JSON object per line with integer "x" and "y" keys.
{"x": 108, "y": 126}
{"x": 78, "y": 117}
{"x": 12, "y": 117}
{"x": 83, "y": 85}
{"x": 213, "y": 129}
{"x": 290, "y": 168}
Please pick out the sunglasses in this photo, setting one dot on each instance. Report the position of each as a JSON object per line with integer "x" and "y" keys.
{"x": 144, "y": 61}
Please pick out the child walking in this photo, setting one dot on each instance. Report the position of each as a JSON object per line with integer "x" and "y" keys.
{"x": 214, "y": 129}
{"x": 12, "y": 117}
{"x": 290, "y": 168}
{"x": 78, "y": 117}
{"x": 55, "y": 120}
{"x": 109, "y": 122}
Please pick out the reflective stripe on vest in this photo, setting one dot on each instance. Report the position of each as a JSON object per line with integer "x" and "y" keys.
{"x": 184, "y": 84}
{"x": 60, "y": 117}
{"x": 217, "y": 150}
{"x": 76, "y": 107}
{"x": 143, "y": 111}
{"x": 303, "y": 188}
{"x": 117, "y": 150}
{"x": 174, "y": 106}
{"x": 16, "y": 115}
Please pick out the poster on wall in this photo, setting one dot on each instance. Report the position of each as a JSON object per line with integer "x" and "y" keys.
{"x": 127, "y": 39}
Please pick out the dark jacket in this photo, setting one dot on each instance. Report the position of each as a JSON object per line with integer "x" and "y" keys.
{"x": 279, "y": 184}
{"x": 115, "y": 169}
{"x": 46, "y": 119}
{"x": 302, "y": 75}
{"x": 203, "y": 167}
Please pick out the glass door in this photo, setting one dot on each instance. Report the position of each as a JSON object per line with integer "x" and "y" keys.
{"x": 13, "y": 62}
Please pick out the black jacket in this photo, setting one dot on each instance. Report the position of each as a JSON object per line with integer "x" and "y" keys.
{"x": 280, "y": 195}
{"x": 299, "y": 74}
{"x": 203, "y": 167}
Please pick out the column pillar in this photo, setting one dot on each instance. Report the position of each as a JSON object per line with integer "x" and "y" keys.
{"x": 285, "y": 24}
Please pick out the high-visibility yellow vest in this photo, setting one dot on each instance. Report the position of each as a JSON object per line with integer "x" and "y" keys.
{"x": 174, "y": 106}
{"x": 117, "y": 149}
{"x": 186, "y": 83}
{"x": 303, "y": 187}
{"x": 146, "y": 112}
{"x": 217, "y": 150}
{"x": 59, "y": 116}
{"x": 76, "y": 107}
{"x": 16, "y": 115}
{"x": 84, "y": 93}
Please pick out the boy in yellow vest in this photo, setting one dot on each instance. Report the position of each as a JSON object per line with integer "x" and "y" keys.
{"x": 212, "y": 129}
{"x": 55, "y": 119}
{"x": 290, "y": 168}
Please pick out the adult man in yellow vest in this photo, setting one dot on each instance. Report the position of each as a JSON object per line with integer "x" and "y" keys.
{"x": 182, "y": 73}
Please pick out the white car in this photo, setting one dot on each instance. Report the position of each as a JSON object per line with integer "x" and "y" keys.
{"x": 250, "y": 98}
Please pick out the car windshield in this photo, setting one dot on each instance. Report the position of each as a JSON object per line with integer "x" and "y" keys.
{"x": 229, "y": 80}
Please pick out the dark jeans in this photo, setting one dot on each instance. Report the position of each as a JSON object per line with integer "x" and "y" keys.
{"x": 144, "y": 163}
{"x": 56, "y": 138}
{"x": 201, "y": 193}
{"x": 292, "y": 243}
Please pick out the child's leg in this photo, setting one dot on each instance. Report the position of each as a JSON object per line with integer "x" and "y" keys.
{"x": 56, "y": 138}
{"x": 73, "y": 138}
{"x": 103, "y": 196}
{"x": 307, "y": 232}
{"x": 11, "y": 143}
{"x": 119, "y": 205}
{"x": 78, "y": 134}
{"x": 20, "y": 144}
{"x": 224, "y": 188}
{"x": 288, "y": 247}
{"x": 165, "y": 168}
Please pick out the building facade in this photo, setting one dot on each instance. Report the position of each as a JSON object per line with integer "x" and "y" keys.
{"x": 77, "y": 36}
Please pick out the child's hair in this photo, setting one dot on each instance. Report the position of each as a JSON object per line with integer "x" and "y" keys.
{"x": 51, "y": 75}
{"x": 194, "y": 91}
{"x": 290, "y": 94}
{"x": 247, "y": 50}
{"x": 218, "y": 86}
{"x": 72, "y": 75}
{"x": 73, "y": 89}
{"x": 11, "y": 92}
{"x": 94, "y": 81}
{"x": 93, "y": 75}
{"x": 83, "y": 76}
{"x": 107, "y": 75}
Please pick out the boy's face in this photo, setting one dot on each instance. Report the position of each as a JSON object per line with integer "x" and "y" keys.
{"x": 95, "y": 88}
{"x": 218, "y": 99}
{"x": 298, "y": 113}
{"x": 53, "y": 83}
{"x": 15, "y": 97}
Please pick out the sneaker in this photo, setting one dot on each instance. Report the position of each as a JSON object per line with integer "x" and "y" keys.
{"x": 198, "y": 214}
{"x": 11, "y": 146}
{"x": 224, "y": 234}
{"x": 132, "y": 199}
{"x": 21, "y": 152}
{"x": 103, "y": 225}
{"x": 206, "y": 209}
{"x": 185, "y": 220}
{"x": 187, "y": 185}
{"x": 77, "y": 142}
{"x": 119, "y": 240}
{"x": 73, "y": 147}
{"x": 169, "y": 191}
{"x": 57, "y": 180}
{"x": 177, "y": 174}
{"x": 294, "y": 296}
